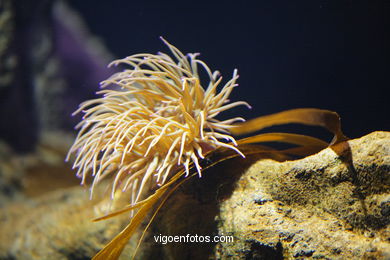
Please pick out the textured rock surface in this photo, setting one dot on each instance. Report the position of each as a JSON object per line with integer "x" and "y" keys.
{"x": 318, "y": 207}
{"x": 44, "y": 212}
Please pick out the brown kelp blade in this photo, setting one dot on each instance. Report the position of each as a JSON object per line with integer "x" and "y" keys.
{"x": 296, "y": 139}
{"x": 212, "y": 158}
{"x": 306, "y": 145}
{"x": 308, "y": 116}
{"x": 114, "y": 249}
{"x": 223, "y": 154}
{"x": 121, "y": 211}
{"x": 302, "y": 151}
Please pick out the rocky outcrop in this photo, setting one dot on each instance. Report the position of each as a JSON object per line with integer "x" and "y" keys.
{"x": 331, "y": 205}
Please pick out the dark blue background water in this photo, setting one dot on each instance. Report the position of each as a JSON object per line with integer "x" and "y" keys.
{"x": 325, "y": 54}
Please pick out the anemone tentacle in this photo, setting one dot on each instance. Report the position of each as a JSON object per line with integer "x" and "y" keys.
{"x": 152, "y": 118}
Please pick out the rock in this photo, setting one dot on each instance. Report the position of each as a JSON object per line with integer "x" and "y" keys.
{"x": 55, "y": 226}
{"x": 45, "y": 213}
{"x": 320, "y": 207}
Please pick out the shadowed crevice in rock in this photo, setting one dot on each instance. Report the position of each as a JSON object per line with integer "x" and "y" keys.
{"x": 364, "y": 187}
{"x": 193, "y": 209}
{"x": 260, "y": 251}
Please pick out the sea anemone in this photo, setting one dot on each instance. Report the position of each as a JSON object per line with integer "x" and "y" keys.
{"x": 156, "y": 122}
{"x": 151, "y": 119}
